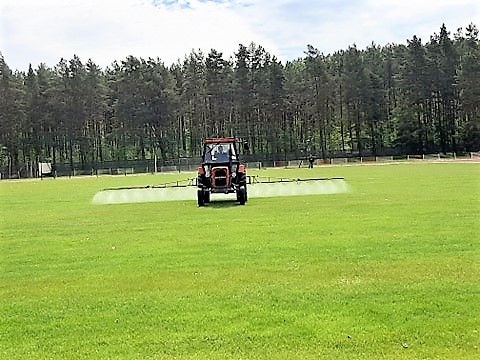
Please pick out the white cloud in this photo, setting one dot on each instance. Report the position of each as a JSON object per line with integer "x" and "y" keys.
{"x": 332, "y": 25}
{"x": 108, "y": 30}
{"x": 34, "y": 31}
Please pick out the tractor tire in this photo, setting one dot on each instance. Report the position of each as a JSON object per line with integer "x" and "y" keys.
{"x": 201, "y": 197}
{"x": 242, "y": 195}
{"x": 246, "y": 193}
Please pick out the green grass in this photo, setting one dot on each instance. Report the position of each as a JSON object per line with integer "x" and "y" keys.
{"x": 389, "y": 270}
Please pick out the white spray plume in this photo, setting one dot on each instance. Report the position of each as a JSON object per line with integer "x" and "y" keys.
{"x": 311, "y": 187}
{"x": 257, "y": 190}
{"x": 127, "y": 196}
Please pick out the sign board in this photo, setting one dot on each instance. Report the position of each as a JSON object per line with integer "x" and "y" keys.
{"x": 45, "y": 169}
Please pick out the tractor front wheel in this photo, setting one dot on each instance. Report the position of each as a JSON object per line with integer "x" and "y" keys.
{"x": 201, "y": 197}
{"x": 242, "y": 195}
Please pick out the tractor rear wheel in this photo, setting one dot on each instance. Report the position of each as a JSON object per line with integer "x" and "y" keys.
{"x": 201, "y": 197}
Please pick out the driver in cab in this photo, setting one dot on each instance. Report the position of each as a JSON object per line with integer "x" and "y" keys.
{"x": 220, "y": 154}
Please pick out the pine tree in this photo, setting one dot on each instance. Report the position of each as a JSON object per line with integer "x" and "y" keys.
{"x": 12, "y": 117}
{"x": 469, "y": 90}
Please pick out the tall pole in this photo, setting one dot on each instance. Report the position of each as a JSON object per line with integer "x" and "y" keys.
{"x": 155, "y": 160}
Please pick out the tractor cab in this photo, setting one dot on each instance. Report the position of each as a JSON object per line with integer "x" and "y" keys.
{"x": 220, "y": 152}
{"x": 221, "y": 171}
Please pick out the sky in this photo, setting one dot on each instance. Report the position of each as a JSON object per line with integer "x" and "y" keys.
{"x": 45, "y": 31}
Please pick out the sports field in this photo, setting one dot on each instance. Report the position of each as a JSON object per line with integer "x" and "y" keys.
{"x": 389, "y": 270}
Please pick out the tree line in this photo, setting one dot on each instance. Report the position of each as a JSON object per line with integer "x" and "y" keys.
{"x": 415, "y": 98}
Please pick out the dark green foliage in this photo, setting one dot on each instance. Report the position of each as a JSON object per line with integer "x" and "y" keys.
{"x": 415, "y": 98}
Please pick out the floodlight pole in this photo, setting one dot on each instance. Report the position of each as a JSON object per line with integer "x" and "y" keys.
{"x": 155, "y": 168}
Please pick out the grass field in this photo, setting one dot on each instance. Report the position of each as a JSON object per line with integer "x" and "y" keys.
{"x": 389, "y": 270}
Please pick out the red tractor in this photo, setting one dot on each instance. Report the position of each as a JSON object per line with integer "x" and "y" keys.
{"x": 221, "y": 171}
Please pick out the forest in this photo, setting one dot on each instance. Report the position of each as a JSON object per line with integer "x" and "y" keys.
{"x": 413, "y": 98}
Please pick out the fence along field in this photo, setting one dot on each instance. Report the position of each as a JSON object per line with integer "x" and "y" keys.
{"x": 386, "y": 270}
{"x": 40, "y": 169}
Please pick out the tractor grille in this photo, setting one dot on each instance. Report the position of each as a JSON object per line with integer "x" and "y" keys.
{"x": 220, "y": 177}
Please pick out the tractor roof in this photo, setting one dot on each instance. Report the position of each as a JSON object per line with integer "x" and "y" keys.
{"x": 220, "y": 140}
